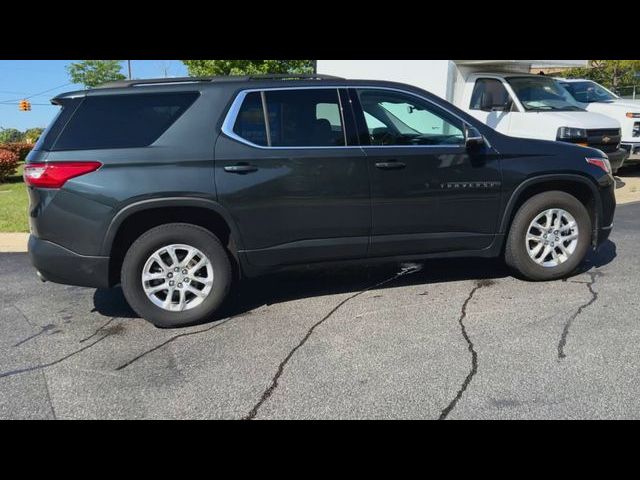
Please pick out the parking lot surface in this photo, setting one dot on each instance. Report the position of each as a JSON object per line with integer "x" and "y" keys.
{"x": 447, "y": 339}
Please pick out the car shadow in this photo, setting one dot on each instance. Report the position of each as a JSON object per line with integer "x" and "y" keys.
{"x": 317, "y": 281}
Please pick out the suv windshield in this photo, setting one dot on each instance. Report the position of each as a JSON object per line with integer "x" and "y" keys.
{"x": 588, "y": 92}
{"x": 539, "y": 93}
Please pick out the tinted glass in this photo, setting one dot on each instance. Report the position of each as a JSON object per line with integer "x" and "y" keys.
{"x": 120, "y": 121}
{"x": 305, "y": 118}
{"x": 488, "y": 92}
{"x": 48, "y": 137}
{"x": 397, "y": 119}
{"x": 250, "y": 121}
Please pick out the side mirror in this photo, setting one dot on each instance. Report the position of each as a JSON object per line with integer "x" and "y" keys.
{"x": 473, "y": 139}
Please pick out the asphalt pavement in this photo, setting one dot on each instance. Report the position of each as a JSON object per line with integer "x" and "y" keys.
{"x": 449, "y": 339}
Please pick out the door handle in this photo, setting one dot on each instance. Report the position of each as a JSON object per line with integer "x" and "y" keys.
{"x": 390, "y": 165}
{"x": 240, "y": 169}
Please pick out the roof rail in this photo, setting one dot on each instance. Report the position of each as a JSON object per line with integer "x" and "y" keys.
{"x": 160, "y": 81}
{"x": 229, "y": 78}
{"x": 294, "y": 76}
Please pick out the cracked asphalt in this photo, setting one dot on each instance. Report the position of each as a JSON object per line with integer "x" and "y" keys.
{"x": 447, "y": 339}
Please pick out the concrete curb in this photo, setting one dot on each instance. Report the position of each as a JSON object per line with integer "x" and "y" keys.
{"x": 630, "y": 192}
{"x": 13, "y": 242}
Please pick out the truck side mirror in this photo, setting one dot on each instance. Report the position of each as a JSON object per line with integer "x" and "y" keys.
{"x": 473, "y": 139}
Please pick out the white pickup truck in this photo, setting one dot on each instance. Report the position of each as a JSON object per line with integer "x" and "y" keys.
{"x": 508, "y": 99}
{"x": 596, "y": 98}
{"x": 536, "y": 106}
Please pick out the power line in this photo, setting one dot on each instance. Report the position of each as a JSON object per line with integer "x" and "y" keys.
{"x": 36, "y": 94}
{"x": 18, "y": 103}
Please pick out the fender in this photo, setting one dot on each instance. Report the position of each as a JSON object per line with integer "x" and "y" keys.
{"x": 152, "y": 203}
{"x": 545, "y": 178}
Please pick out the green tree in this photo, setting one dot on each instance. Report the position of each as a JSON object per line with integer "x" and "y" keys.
{"x": 92, "y": 73}
{"x": 31, "y": 135}
{"x": 610, "y": 73}
{"x": 203, "y": 68}
{"x": 10, "y": 135}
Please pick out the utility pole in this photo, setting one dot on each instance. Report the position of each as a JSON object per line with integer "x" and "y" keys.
{"x": 129, "y": 67}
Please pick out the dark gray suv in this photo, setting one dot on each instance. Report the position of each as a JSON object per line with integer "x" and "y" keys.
{"x": 175, "y": 188}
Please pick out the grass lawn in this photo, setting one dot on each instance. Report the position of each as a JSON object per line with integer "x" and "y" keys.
{"x": 14, "y": 202}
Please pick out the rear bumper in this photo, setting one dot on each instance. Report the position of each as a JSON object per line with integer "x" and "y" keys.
{"x": 60, "y": 265}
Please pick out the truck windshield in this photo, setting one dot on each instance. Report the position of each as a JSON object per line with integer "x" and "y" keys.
{"x": 539, "y": 93}
{"x": 588, "y": 92}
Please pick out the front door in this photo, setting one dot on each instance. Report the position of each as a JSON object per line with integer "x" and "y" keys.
{"x": 428, "y": 194}
{"x": 295, "y": 184}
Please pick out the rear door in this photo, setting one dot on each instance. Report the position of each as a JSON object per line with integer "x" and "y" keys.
{"x": 428, "y": 193}
{"x": 289, "y": 171}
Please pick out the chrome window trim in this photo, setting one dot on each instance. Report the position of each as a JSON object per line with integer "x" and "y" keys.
{"x": 234, "y": 109}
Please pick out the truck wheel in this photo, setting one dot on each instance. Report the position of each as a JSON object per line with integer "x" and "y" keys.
{"x": 176, "y": 274}
{"x": 549, "y": 236}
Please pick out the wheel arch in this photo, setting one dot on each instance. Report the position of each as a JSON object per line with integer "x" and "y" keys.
{"x": 577, "y": 185}
{"x": 134, "y": 219}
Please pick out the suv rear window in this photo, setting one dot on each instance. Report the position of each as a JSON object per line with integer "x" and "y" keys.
{"x": 122, "y": 121}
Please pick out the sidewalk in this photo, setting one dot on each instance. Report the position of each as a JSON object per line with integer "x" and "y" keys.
{"x": 13, "y": 242}
{"x": 628, "y": 189}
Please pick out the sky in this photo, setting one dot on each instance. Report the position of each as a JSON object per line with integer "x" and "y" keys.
{"x": 47, "y": 78}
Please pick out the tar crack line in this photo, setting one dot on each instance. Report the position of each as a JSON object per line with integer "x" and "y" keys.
{"x": 98, "y": 330}
{"x": 54, "y": 362}
{"x": 470, "y": 346}
{"x": 405, "y": 270}
{"x": 169, "y": 340}
{"x": 565, "y": 331}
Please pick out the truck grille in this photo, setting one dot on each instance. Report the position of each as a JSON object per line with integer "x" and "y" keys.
{"x": 607, "y": 140}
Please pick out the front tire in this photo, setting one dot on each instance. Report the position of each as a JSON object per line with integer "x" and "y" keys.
{"x": 176, "y": 275}
{"x": 549, "y": 236}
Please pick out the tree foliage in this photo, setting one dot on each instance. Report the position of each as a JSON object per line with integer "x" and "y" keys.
{"x": 610, "y": 73}
{"x": 31, "y": 135}
{"x": 92, "y": 73}
{"x": 204, "y": 68}
{"x": 8, "y": 164}
{"x": 10, "y": 135}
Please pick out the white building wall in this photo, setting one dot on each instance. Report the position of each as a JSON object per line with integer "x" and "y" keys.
{"x": 444, "y": 78}
{"x": 430, "y": 75}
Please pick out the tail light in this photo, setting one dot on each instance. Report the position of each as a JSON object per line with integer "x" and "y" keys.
{"x": 54, "y": 175}
{"x": 602, "y": 163}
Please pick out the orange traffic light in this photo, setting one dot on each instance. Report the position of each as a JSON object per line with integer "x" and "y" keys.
{"x": 24, "y": 106}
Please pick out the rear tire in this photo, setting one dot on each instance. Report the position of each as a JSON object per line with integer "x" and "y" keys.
{"x": 527, "y": 245}
{"x": 198, "y": 285}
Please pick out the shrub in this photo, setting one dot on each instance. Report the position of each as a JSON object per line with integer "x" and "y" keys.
{"x": 21, "y": 149}
{"x": 8, "y": 164}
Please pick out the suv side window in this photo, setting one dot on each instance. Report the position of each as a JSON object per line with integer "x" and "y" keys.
{"x": 488, "y": 92}
{"x": 395, "y": 118}
{"x": 122, "y": 121}
{"x": 295, "y": 118}
{"x": 305, "y": 118}
{"x": 250, "y": 123}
